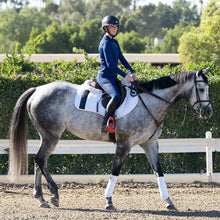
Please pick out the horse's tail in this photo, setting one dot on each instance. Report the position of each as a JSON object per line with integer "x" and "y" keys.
{"x": 18, "y": 158}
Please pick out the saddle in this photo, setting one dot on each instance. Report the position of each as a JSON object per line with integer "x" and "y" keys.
{"x": 105, "y": 98}
{"x": 91, "y": 97}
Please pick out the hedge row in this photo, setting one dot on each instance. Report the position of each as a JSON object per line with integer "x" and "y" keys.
{"x": 17, "y": 75}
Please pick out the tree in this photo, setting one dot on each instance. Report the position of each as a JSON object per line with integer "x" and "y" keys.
{"x": 163, "y": 17}
{"x": 131, "y": 42}
{"x": 203, "y": 43}
{"x": 62, "y": 38}
{"x": 89, "y": 36}
{"x": 182, "y": 11}
{"x": 171, "y": 40}
{"x": 51, "y": 8}
{"x": 72, "y": 11}
{"x": 55, "y": 39}
{"x": 143, "y": 20}
{"x": 98, "y": 9}
{"x": 17, "y": 27}
{"x": 148, "y": 20}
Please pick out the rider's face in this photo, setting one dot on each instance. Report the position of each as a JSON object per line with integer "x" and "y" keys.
{"x": 113, "y": 29}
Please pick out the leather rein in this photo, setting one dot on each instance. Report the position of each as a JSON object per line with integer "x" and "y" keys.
{"x": 187, "y": 109}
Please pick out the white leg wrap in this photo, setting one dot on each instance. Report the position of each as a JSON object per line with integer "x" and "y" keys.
{"x": 162, "y": 187}
{"x": 111, "y": 185}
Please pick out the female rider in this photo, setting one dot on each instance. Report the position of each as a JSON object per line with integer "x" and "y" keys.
{"x": 110, "y": 53}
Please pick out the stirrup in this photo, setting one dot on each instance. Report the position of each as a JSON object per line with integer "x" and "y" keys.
{"x": 110, "y": 127}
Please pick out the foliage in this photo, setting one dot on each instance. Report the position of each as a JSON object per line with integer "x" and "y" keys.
{"x": 77, "y": 23}
{"x": 130, "y": 42}
{"x": 203, "y": 43}
{"x": 16, "y": 27}
{"x": 171, "y": 39}
{"x": 16, "y": 63}
{"x": 55, "y": 38}
{"x": 90, "y": 35}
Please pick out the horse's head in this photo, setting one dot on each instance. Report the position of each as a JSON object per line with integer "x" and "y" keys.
{"x": 199, "y": 96}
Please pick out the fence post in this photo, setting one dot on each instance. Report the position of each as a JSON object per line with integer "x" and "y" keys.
{"x": 209, "y": 163}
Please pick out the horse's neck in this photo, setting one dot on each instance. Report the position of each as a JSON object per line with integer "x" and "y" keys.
{"x": 169, "y": 96}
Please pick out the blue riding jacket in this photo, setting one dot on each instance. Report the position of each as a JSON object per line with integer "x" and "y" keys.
{"x": 110, "y": 53}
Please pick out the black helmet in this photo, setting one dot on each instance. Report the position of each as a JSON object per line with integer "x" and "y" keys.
{"x": 110, "y": 20}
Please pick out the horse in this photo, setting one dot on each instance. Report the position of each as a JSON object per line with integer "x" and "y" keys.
{"x": 51, "y": 110}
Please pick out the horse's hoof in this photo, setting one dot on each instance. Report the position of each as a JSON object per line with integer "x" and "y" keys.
{"x": 171, "y": 207}
{"x": 110, "y": 207}
{"x": 44, "y": 205}
{"x": 55, "y": 201}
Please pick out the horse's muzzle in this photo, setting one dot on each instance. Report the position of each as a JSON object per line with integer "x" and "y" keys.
{"x": 207, "y": 112}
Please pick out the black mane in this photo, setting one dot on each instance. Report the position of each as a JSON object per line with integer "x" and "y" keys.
{"x": 169, "y": 81}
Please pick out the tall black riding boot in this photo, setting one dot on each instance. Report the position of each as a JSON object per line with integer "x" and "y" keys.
{"x": 111, "y": 107}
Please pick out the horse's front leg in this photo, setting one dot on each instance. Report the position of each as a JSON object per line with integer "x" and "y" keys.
{"x": 151, "y": 151}
{"x": 121, "y": 153}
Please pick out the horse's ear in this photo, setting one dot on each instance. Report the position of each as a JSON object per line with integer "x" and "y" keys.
{"x": 199, "y": 73}
{"x": 205, "y": 71}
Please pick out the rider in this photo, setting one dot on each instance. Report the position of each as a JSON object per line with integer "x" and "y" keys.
{"x": 110, "y": 53}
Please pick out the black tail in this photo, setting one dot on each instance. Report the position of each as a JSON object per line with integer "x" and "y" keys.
{"x": 18, "y": 160}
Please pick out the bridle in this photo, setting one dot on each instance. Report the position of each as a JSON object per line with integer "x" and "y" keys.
{"x": 187, "y": 109}
{"x": 198, "y": 99}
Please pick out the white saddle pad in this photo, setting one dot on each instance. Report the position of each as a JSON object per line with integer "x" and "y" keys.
{"x": 93, "y": 102}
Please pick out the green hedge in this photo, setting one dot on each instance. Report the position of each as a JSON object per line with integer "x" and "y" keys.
{"x": 17, "y": 75}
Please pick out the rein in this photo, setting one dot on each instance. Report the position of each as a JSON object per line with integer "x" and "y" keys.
{"x": 184, "y": 108}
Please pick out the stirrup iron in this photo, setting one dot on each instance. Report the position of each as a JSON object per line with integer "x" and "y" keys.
{"x": 110, "y": 127}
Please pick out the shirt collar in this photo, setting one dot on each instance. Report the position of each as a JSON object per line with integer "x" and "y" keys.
{"x": 108, "y": 38}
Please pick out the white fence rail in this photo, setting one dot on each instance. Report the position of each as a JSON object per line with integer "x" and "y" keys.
{"x": 193, "y": 145}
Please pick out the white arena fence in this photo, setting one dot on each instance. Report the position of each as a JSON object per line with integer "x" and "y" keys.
{"x": 188, "y": 145}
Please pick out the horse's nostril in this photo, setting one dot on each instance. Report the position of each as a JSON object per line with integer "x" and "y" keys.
{"x": 208, "y": 112}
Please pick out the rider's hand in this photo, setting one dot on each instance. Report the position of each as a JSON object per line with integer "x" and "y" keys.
{"x": 133, "y": 75}
{"x": 129, "y": 78}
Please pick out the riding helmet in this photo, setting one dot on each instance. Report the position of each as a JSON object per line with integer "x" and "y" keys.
{"x": 110, "y": 20}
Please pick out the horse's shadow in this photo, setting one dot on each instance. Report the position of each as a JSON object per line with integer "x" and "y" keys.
{"x": 191, "y": 213}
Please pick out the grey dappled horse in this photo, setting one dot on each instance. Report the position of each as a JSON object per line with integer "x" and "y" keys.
{"x": 51, "y": 110}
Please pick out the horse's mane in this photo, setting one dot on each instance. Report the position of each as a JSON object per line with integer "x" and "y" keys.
{"x": 169, "y": 81}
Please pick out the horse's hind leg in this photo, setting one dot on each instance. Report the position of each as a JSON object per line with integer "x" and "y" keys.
{"x": 38, "y": 194}
{"x": 151, "y": 151}
{"x": 47, "y": 146}
{"x": 121, "y": 153}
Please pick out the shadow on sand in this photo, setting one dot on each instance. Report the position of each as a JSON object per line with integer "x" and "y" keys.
{"x": 190, "y": 213}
